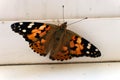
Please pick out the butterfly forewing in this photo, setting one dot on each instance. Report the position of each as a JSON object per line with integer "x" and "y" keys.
{"x": 37, "y": 34}
{"x": 81, "y": 47}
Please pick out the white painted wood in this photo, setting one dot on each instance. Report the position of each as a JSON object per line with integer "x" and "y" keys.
{"x": 99, "y": 71}
{"x": 52, "y": 9}
{"x": 103, "y": 33}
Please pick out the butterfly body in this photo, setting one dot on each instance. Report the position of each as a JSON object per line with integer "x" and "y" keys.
{"x": 62, "y": 44}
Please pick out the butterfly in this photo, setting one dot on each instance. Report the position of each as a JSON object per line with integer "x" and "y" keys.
{"x": 61, "y": 43}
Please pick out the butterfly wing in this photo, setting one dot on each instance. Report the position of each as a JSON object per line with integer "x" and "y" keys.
{"x": 37, "y": 34}
{"x": 72, "y": 45}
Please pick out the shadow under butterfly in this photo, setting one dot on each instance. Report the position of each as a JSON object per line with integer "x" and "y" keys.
{"x": 63, "y": 44}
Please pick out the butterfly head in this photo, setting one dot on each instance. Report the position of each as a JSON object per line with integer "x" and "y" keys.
{"x": 64, "y": 25}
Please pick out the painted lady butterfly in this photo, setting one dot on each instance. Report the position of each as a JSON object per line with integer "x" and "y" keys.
{"x": 62, "y": 44}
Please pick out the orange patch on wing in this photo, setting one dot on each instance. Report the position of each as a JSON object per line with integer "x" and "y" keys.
{"x": 65, "y": 48}
{"x": 42, "y": 27}
{"x": 72, "y": 52}
{"x": 63, "y": 54}
{"x": 79, "y": 40}
{"x": 36, "y": 31}
{"x": 42, "y": 34}
{"x": 73, "y": 38}
{"x": 72, "y": 44}
{"x": 77, "y": 45}
{"x": 48, "y": 28}
{"x": 60, "y": 56}
{"x": 32, "y": 37}
{"x": 43, "y": 41}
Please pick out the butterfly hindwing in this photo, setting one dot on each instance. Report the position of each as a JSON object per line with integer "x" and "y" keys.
{"x": 37, "y": 34}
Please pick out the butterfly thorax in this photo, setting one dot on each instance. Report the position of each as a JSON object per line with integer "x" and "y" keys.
{"x": 60, "y": 32}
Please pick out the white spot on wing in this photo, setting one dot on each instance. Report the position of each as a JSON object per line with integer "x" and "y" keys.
{"x": 87, "y": 52}
{"x": 89, "y": 46}
{"x": 19, "y": 28}
{"x": 23, "y": 30}
{"x": 96, "y": 49}
{"x": 21, "y": 23}
{"x": 30, "y": 25}
{"x": 91, "y": 53}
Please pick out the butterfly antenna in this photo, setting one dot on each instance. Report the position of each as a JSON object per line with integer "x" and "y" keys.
{"x": 63, "y": 13}
{"x": 78, "y": 21}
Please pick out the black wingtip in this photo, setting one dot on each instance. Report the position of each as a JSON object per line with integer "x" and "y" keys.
{"x": 90, "y": 50}
{"x": 94, "y": 54}
{"x": 14, "y": 27}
